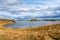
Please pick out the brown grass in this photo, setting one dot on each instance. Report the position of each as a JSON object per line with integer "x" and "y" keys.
{"x": 50, "y": 32}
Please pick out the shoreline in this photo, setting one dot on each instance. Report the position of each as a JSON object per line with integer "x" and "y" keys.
{"x": 9, "y": 22}
{"x": 49, "y": 32}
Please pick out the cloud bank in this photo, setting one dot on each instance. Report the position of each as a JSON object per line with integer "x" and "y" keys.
{"x": 26, "y": 9}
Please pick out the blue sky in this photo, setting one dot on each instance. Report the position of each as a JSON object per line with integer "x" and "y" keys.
{"x": 27, "y": 9}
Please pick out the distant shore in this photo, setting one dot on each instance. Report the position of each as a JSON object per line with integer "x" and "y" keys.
{"x": 6, "y": 22}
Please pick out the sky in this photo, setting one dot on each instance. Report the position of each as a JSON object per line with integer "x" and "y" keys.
{"x": 27, "y": 9}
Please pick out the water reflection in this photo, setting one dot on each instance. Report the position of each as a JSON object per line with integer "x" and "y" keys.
{"x": 27, "y": 24}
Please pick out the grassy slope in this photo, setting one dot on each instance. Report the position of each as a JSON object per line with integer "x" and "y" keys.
{"x": 50, "y": 32}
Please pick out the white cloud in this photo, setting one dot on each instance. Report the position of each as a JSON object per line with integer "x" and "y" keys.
{"x": 5, "y": 13}
{"x": 11, "y": 1}
{"x": 18, "y": 7}
{"x": 32, "y": 11}
{"x": 23, "y": 10}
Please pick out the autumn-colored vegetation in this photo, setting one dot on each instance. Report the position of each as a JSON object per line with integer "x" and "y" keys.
{"x": 50, "y": 32}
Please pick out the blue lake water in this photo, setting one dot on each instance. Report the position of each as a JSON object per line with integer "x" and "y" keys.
{"x": 27, "y": 24}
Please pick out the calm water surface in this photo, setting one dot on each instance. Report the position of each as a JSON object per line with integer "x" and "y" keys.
{"x": 27, "y": 24}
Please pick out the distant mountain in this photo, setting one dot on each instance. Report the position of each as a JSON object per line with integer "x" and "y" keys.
{"x": 56, "y": 16}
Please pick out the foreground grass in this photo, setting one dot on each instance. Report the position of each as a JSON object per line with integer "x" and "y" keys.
{"x": 50, "y": 32}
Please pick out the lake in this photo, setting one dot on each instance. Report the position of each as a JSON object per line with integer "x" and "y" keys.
{"x": 27, "y": 24}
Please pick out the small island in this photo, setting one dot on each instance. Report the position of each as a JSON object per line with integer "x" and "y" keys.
{"x": 33, "y": 20}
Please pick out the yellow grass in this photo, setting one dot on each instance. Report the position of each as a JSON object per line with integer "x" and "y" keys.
{"x": 50, "y": 32}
